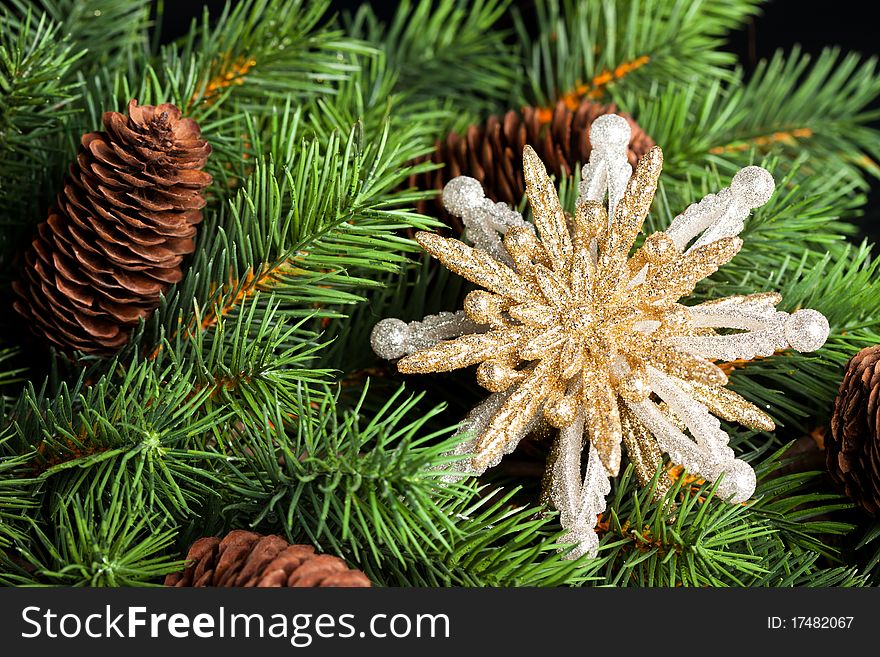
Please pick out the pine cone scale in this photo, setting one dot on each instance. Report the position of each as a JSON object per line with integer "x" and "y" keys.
{"x": 234, "y": 550}
{"x": 315, "y": 571}
{"x": 202, "y": 554}
{"x": 264, "y": 552}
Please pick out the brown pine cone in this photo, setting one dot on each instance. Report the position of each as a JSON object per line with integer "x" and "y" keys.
{"x": 244, "y": 558}
{"x": 853, "y": 447}
{"x": 121, "y": 228}
{"x": 492, "y": 152}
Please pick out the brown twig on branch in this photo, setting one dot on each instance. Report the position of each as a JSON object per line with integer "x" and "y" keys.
{"x": 789, "y": 137}
{"x": 231, "y": 71}
{"x": 595, "y": 88}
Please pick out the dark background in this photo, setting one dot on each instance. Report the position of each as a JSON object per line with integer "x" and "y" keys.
{"x": 781, "y": 25}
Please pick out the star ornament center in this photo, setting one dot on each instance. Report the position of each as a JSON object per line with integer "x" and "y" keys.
{"x": 575, "y": 323}
{"x": 580, "y": 323}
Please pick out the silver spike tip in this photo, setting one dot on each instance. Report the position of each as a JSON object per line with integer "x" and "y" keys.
{"x": 753, "y": 186}
{"x": 389, "y": 338}
{"x": 611, "y": 130}
{"x": 461, "y": 194}
{"x": 806, "y": 330}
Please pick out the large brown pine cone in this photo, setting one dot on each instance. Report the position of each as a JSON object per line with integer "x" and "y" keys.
{"x": 853, "y": 448}
{"x": 121, "y": 228}
{"x": 492, "y": 152}
{"x": 244, "y": 558}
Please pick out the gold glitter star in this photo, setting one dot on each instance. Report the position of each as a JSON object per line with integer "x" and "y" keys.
{"x": 576, "y": 328}
{"x": 576, "y": 324}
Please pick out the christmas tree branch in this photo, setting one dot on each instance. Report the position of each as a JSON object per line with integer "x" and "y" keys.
{"x": 271, "y": 49}
{"x": 36, "y": 98}
{"x": 116, "y": 31}
{"x": 691, "y": 538}
{"x": 111, "y": 540}
{"x": 585, "y": 48}
{"x": 362, "y": 487}
{"x": 19, "y": 492}
{"x": 791, "y": 107}
{"x": 452, "y": 45}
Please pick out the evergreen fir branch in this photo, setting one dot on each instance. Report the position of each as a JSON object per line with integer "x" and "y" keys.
{"x": 35, "y": 101}
{"x": 244, "y": 365}
{"x": 370, "y": 487}
{"x": 19, "y": 492}
{"x": 106, "y": 540}
{"x": 697, "y": 548}
{"x": 803, "y": 573}
{"x": 114, "y": 32}
{"x": 589, "y": 49}
{"x": 797, "y": 505}
{"x": 791, "y": 107}
{"x": 373, "y": 98}
{"x": 265, "y": 50}
{"x": 451, "y": 45}
{"x": 497, "y": 542}
{"x": 363, "y": 487}
{"x": 140, "y": 428}
{"x": 309, "y": 234}
{"x": 691, "y": 538}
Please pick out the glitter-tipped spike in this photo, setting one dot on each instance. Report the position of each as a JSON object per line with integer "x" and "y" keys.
{"x": 633, "y": 208}
{"x": 476, "y": 266}
{"x": 510, "y": 423}
{"x": 549, "y": 217}
{"x": 603, "y": 419}
{"x": 467, "y": 350}
{"x": 676, "y": 279}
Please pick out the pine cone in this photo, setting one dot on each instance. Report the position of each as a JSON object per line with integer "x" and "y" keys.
{"x": 492, "y": 152}
{"x": 244, "y": 558}
{"x": 122, "y": 225}
{"x": 853, "y": 448}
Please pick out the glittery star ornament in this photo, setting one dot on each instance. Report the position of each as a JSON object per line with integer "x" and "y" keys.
{"x": 574, "y": 325}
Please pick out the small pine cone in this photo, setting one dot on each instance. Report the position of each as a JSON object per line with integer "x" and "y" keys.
{"x": 244, "y": 558}
{"x": 121, "y": 228}
{"x": 853, "y": 447}
{"x": 492, "y": 152}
